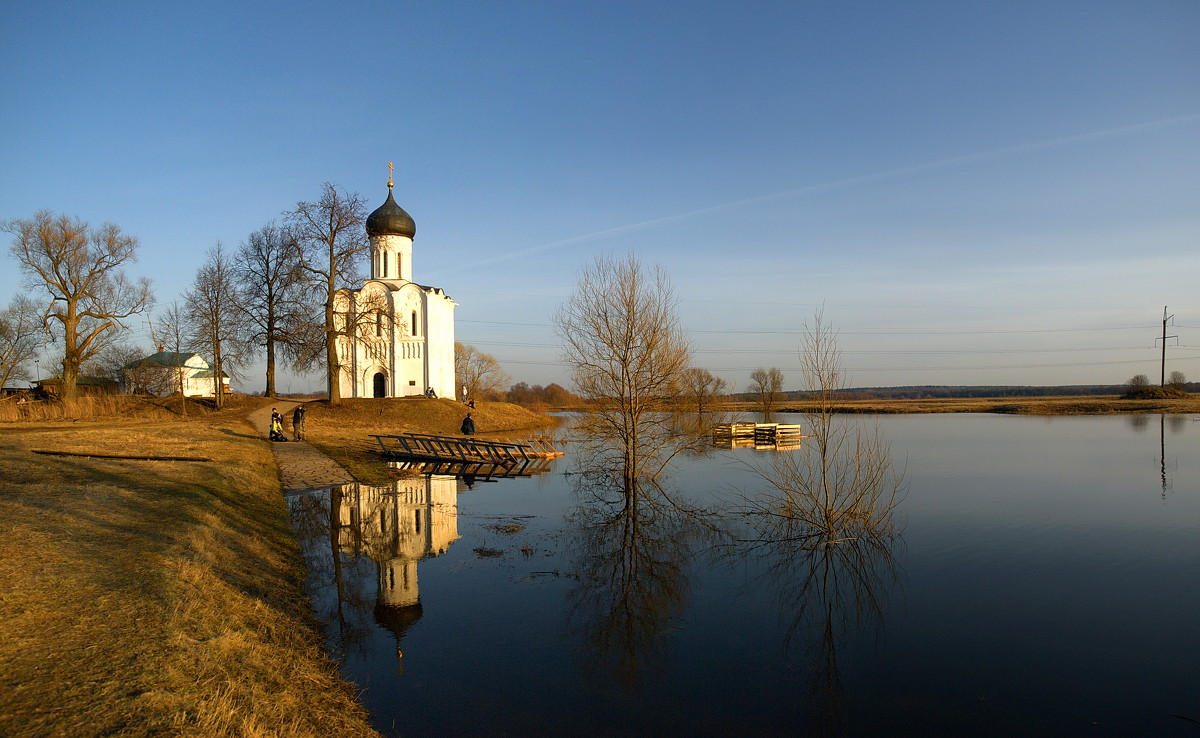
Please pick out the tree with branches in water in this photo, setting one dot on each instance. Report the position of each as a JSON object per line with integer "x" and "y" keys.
{"x": 765, "y": 385}
{"x": 627, "y": 353}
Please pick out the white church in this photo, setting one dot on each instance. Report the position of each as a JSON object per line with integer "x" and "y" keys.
{"x": 403, "y": 342}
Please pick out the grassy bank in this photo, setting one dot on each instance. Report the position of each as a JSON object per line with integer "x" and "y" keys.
{"x": 343, "y": 431}
{"x": 156, "y": 597}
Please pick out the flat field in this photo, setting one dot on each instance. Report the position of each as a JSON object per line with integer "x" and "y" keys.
{"x": 1067, "y": 405}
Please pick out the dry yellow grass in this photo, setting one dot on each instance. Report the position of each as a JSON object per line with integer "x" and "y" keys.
{"x": 343, "y": 431}
{"x": 156, "y": 597}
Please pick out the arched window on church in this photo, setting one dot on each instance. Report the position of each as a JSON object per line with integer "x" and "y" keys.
{"x": 379, "y": 324}
{"x": 385, "y": 271}
{"x": 414, "y": 323}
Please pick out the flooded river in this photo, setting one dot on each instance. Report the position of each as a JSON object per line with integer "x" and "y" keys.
{"x": 1042, "y": 578}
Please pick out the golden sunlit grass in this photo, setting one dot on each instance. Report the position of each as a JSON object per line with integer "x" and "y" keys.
{"x": 146, "y": 597}
{"x": 343, "y": 431}
{"x": 100, "y": 407}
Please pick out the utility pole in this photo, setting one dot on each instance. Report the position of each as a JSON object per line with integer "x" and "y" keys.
{"x": 1163, "y": 379}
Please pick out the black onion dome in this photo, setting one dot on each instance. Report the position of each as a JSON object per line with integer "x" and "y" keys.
{"x": 389, "y": 219}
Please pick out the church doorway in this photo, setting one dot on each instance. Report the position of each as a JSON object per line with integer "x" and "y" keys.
{"x": 380, "y": 385}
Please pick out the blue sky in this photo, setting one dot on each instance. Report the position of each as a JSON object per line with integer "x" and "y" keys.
{"x": 977, "y": 193}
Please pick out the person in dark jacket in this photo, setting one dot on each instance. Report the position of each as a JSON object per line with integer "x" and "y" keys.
{"x": 468, "y": 426}
{"x": 298, "y": 422}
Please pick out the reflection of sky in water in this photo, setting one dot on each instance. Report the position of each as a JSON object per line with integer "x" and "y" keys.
{"x": 1047, "y": 586}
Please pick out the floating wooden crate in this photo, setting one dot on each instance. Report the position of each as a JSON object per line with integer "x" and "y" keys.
{"x": 734, "y": 430}
{"x": 760, "y": 435}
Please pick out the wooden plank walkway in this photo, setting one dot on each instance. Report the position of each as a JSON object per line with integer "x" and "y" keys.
{"x": 463, "y": 449}
{"x": 477, "y": 471}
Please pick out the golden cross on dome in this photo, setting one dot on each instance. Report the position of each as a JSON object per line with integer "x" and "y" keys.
{"x": 389, "y": 175}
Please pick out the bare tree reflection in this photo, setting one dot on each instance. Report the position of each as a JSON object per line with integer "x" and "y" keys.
{"x": 824, "y": 524}
{"x": 828, "y": 596}
{"x": 634, "y": 541}
{"x": 698, "y": 429}
{"x": 1138, "y": 421}
{"x": 338, "y": 594}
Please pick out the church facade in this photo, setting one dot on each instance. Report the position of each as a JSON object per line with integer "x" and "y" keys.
{"x": 398, "y": 337}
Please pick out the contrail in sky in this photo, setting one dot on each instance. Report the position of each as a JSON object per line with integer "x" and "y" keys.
{"x": 951, "y": 163}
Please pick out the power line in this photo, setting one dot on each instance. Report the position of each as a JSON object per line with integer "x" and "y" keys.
{"x": 739, "y": 332}
{"x": 858, "y": 352}
{"x": 977, "y": 367}
{"x": 1163, "y": 380}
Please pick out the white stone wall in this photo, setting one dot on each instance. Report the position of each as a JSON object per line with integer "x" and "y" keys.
{"x": 440, "y": 326}
{"x": 410, "y": 360}
{"x": 391, "y": 258}
{"x": 415, "y": 348}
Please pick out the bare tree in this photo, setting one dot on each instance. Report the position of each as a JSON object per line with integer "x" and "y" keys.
{"x": 81, "y": 270}
{"x": 622, "y": 340}
{"x": 1138, "y": 386}
{"x": 1176, "y": 380}
{"x": 173, "y": 334}
{"x": 217, "y": 322}
{"x": 330, "y": 234}
{"x": 129, "y": 366}
{"x": 21, "y": 328}
{"x": 766, "y": 385}
{"x": 840, "y": 488}
{"x": 701, "y": 387}
{"x": 267, "y": 269}
{"x": 477, "y": 374}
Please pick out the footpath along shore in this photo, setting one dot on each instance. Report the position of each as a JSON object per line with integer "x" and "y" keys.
{"x": 301, "y": 465}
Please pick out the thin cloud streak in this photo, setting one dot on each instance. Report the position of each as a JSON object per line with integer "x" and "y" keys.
{"x": 941, "y": 164}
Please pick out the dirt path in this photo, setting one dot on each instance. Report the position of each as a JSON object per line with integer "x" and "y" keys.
{"x": 301, "y": 466}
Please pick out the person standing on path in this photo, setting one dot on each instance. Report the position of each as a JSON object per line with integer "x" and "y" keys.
{"x": 468, "y": 426}
{"x": 298, "y": 422}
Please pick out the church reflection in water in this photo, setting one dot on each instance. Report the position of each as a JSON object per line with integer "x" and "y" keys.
{"x": 396, "y": 526}
{"x": 347, "y": 531}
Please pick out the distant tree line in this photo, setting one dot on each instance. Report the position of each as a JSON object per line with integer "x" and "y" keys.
{"x": 535, "y": 396}
{"x": 1139, "y": 387}
{"x": 942, "y": 391}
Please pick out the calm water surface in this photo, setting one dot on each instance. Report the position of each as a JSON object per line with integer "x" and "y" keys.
{"x": 1045, "y": 582}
